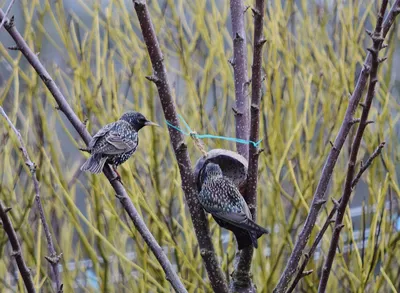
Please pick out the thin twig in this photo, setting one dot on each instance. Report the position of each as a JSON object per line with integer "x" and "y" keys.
{"x": 365, "y": 166}
{"x": 200, "y": 222}
{"x": 17, "y": 252}
{"x": 293, "y": 261}
{"x": 244, "y": 262}
{"x": 53, "y": 258}
{"x": 374, "y": 51}
{"x": 119, "y": 189}
{"x": 7, "y": 11}
{"x": 239, "y": 63}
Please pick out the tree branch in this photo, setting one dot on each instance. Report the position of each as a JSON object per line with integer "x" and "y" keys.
{"x": 241, "y": 281}
{"x": 330, "y": 163}
{"x": 365, "y": 166}
{"x": 126, "y": 202}
{"x": 200, "y": 222}
{"x": 329, "y": 220}
{"x": 17, "y": 253}
{"x": 53, "y": 258}
{"x": 239, "y": 63}
{"x": 307, "y": 256}
{"x": 7, "y": 11}
{"x": 374, "y": 51}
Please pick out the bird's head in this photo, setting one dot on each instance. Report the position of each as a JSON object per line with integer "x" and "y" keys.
{"x": 213, "y": 170}
{"x": 137, "y": 120}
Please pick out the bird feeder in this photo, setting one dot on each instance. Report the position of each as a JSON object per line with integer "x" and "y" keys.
{"x": 233, "y": 166}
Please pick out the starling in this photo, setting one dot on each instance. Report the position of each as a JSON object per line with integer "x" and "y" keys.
{"x": 115, "y": 142}
{"x": 221, "y": 198}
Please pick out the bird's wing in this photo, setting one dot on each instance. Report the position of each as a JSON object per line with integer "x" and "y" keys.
{"x": 234, "y": 218}
{"x": 246, "y": 209}
{"x": 241, "y": 220}
{"x": 116, "y": 143}
{"x": 122, "y": 142}
{"x": 101, "y": 133}
{"x": 237, "y": 212}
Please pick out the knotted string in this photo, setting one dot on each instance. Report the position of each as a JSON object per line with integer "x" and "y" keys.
{"x": 197, "y": 137}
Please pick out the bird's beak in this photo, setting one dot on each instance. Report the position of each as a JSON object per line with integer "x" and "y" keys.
{"x": 151, "y": 123}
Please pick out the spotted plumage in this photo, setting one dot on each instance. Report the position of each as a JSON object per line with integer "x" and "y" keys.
{"x": 221, "y": 198}
{"x": 116, "y": 142}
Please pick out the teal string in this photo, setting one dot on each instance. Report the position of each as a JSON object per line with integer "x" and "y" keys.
{"x": 200, "y": 136}
{"x": 187, "y": 125}
{"x": 176, "y": 128}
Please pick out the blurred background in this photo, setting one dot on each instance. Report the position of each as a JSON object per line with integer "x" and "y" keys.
{"x": 94, "y": 51}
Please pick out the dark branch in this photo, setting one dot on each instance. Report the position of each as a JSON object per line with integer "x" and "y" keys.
{"x": 7, "y": 11}
{"x": 46, "y": 229}
{"x": 242, "y": 270}
{"x": 377, "y": 38}
{"x": 200, "y": 222}
{"x": 330, "y": 163}
{"x": 81, "y": 129}
{"x": 12, "y": 236}
{"x": 307, "y": 256}
{"x": 365, "y": 166}
{"x": 239, "y": 63}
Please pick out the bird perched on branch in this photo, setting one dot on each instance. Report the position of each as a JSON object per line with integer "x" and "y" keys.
{"x": 115, "y": 142}
{"x": 221, "y": 198}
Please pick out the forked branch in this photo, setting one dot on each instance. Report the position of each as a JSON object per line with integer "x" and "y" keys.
{"x": 377, "y": 39}
{"x": 329, "y": 220}
{"x": 319, "y": 194}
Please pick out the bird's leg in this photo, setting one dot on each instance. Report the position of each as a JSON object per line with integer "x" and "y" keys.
{"x": 118, "y": 177}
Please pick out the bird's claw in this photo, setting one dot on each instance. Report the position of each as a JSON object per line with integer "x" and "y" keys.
{"x": 117, "y": 178}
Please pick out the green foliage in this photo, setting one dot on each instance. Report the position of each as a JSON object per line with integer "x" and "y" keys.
{"x": 97, "y": 57}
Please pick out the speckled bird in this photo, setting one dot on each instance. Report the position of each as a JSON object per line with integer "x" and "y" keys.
{"x": 116, "y": 142}
{"x": 220, "y": 197}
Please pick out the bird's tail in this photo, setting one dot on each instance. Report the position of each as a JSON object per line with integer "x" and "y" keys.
{"x": 250, "y": 225}
{"x": 255, "y": 231}
{"x": 254, "y": 236}
{"x": 94, "y": 164}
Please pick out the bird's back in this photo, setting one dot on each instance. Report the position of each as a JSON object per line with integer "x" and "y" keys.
{"x": 219, "y": 194}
